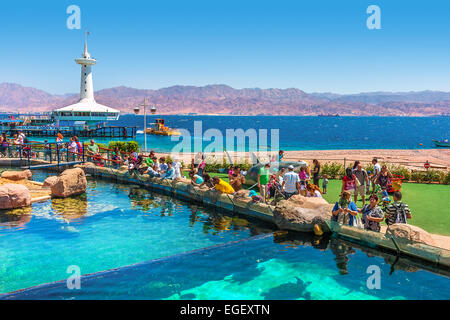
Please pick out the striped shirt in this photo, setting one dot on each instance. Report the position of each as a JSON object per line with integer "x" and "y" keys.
{"x": 397, "y": 212}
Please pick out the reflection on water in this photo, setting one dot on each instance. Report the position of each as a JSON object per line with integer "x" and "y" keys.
{"x": 15, "y": 218}
{"x": 70, "y": 208}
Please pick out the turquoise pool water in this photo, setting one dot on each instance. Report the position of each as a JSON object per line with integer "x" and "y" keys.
{"x": 112, "y": 226}
{"x": 257, "y": 268}
{"x": 162, "y": 248}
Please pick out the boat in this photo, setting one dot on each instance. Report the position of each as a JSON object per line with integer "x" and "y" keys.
{"x": 444, "y": 143}
{"x": 160, "y": 129}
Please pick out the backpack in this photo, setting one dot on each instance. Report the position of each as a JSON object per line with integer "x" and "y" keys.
{"x": 399, "y": 216}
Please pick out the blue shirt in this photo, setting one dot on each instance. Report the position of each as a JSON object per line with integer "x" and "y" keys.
{"x": 352, "y": 206}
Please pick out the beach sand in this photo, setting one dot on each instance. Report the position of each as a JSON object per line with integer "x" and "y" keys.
{"x": 413, "y": 159}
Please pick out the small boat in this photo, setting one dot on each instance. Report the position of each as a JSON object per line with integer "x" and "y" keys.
{"x": 443, "y": 143}
{"x": 160, "y": 129}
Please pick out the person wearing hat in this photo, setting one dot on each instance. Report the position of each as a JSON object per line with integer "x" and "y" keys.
{"x": 291, "y": 183}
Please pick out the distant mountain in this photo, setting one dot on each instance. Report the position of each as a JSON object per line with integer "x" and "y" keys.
{"x": 223, "y": 99}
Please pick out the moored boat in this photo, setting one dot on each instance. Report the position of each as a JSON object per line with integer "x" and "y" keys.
{"x": 444, "y": 143}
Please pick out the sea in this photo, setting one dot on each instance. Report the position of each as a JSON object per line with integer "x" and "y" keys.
{"x": 298, "y": 132}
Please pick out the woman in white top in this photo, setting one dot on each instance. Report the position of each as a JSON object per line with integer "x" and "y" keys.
{"x": 313, "y": 191}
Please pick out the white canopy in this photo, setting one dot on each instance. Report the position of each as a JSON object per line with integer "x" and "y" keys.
{"x": 87, "y": 106}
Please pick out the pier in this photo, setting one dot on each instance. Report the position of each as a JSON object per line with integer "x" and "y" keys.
{"x": 102, "y": 132}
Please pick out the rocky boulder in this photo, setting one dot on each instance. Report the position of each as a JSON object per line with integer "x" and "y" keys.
{"x": 50, "y": 181}
{"x": 410, "y": 233}
{"x": 14, "y": 196}
{"x": 17, "y": 175}
{"x": 69, "y": 183}
{"x": 302, "y": 214}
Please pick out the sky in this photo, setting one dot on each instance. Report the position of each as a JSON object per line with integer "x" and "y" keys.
{"x": 316, "y": 46}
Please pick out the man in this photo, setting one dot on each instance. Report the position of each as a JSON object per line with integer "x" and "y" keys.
{"x": 376, "y": 171}
{"x": 291, "y": 183}
{"x": 237, "y": 180}
{"x": 170, "y": 172}
{"x": 47, "y": 151}
{"x": 92, "y": 149}
{"x": 397, "y": 212}
{"x": 177, "y": 168}
{"x": 162, "y": 165}
{"x": 222, "y": 186}
{"x": 363, "y": 180}
{"x": 263, "y": 179}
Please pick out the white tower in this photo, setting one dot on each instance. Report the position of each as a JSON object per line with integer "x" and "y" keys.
{"x": 87, "y": 87}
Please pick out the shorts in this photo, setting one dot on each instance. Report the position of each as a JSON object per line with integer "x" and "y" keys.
{"x": 351, "y": 191}
{"x": 361, "y": 191}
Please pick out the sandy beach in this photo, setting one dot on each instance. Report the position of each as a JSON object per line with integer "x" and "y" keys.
{"x": 413, "y": 159}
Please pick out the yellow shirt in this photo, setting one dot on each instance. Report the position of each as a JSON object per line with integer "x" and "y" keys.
{"x": 224, "y": 187}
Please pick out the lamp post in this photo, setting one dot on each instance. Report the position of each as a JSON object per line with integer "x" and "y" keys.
{"x": 137, "y": 110}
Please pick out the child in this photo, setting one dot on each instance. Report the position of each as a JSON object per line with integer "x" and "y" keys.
{"x": 325, "y": 183}
{"x": 255, "y": 196}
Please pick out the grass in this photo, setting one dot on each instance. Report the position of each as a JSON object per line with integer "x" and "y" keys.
{"x": 429, "y": 204}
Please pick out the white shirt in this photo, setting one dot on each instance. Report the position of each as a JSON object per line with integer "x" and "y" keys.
{"x": 177, "y": 169}
{"x": 291, "y": 178}
{"x": 376, "y": 168}
{"x": 316, "y": 194}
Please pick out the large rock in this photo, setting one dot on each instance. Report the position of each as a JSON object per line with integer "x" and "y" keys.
{"x": 70, "y": 183}
{"x": 410, "y": 233}
{"x": 17, "y": 175}
{"x": 301, "y": 213}
{"x": 14, "y": 196}
{"x": 50, "y": 181}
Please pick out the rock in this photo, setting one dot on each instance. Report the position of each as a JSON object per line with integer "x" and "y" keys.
{"x": 242, "y": 195}
{"x": 123, "y": 168}
{"x": 14, "y": 196}
{"x": 301, "y": 214}
{"x": 17, "y": 175}
{"x": 410, "y": 233}
{"x": 50, "y": 181}
{"x": 70, "y": 183}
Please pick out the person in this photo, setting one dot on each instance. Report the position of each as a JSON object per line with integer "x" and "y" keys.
{"x": 291, "y": 183}
{"x": 372, "y": 214}
{"x": 313, "y": 191}
{"x": 117, "y": 159}
{"x": 47, "y": 150}
{"x": 196, "y": 179}
{"x": 279, "y": 176}
{"x": 230, "y": 172}
{"x": 324, "y": 183}
{"x": 149, "y": 161}
{"x": 177, "y": 166}
{"x": 348, "y": 181}
{"x": 255, "y": 197}
{"x": 207, "y": 180}
{"x": 362, "y": 184}
{"x": 72, "y": 149}
{"x": 316, "y": 172}
{"x": 397, "y": 212}
{"x": 303, "y": 180}
{"x": 23, "y": 137}
{"x": 79, "y": 148}
{"x": 384, "y": 178}
{"x": 263, "y": 179}
{"x": 345, "y": 210}
{"x": 237, "y": 180}
{"x": 92, "y": 149}
{"x": 170, "y": 172}
{"x": 280, "y": 155}
{"x": 152, "y": 171}
{"x": 222, "y": 186}
{"x": 162, "y": 165}
{"x": 16, "y": 142}
{"x": 376, "y": 171}
{"x": 3, "y": 144}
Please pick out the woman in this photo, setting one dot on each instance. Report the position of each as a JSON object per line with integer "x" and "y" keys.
{"x": 372, "y": 214}
{"x": 345, "y": 210}
{"x": 117, "y": 159}
{"x": 201, "y": 166}
{"x": 196, "y": 180}
{"x": 313, "y": 191}
{"x": 3, "y": 144}
{"x": 237, "y": 180}
{"x": 355, "y": 165}
{"x": 280, "y": 155}
{"x": 316, "y": 172}
{"x": 207, "y": 181}
{"x": 384, "y": 177}
{"x": 348, "y": 181}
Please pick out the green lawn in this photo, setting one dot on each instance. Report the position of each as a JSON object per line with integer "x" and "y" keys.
{"x": 429, "y": 204}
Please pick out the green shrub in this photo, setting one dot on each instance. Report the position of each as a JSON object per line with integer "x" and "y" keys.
{"x": 447, "y": 178}
{"x": 333, "y": 170}
{"x": 400, "y": 170}
{"x": 124, "y": 146}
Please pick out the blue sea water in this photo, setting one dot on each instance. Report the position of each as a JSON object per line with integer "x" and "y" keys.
{"x": 311, "y": 133}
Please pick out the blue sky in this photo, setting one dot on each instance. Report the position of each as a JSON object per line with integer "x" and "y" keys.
{"x": 317, "y": 46}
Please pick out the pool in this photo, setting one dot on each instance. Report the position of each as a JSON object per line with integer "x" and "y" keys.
{"x": 131, "y": 243}
{"x": 113, "y": 225}
{"x": 261, "y": 267}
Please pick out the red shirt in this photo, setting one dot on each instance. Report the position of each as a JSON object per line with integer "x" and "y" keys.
{"x": 349, "y": 184}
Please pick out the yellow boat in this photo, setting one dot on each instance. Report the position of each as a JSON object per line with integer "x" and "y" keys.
{"x": 160, "y": 129}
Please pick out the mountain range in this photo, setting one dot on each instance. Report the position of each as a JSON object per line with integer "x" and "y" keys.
{"x": 223, "y": 99}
